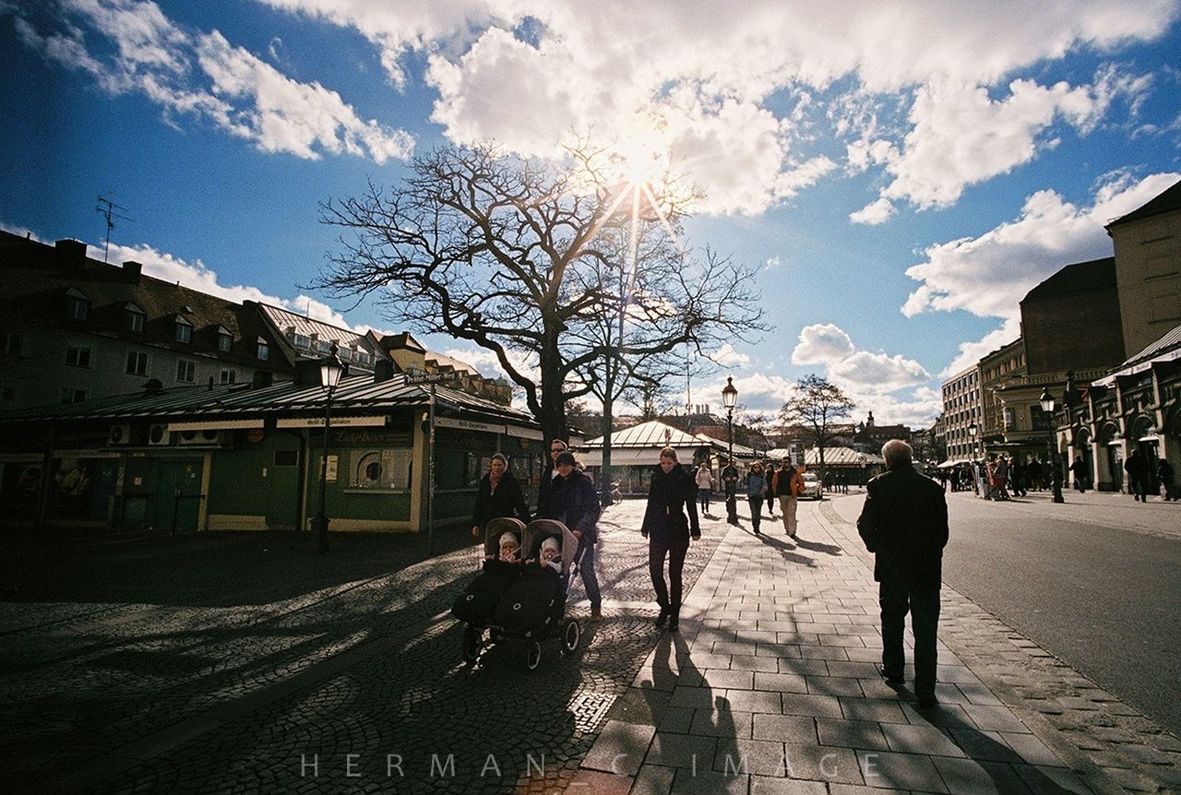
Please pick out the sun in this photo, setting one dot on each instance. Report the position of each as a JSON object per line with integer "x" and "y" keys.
{"x": 642, "y": 159}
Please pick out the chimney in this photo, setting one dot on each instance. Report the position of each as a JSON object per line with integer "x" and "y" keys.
{"x": 71, "y": 254}
{"x": 132, "y": 270}
{"x": 383, "y": 371}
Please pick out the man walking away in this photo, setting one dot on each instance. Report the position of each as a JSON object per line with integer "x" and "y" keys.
{"x": 904, "y": 523}
{"x": 1137, "y": 469}
{"x": 1164, "y": 471}
{"x": 1079, "y": 470}
{"x": 730, "y": 482}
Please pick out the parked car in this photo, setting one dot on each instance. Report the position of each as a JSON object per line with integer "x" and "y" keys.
{"x": 812, "y": 488}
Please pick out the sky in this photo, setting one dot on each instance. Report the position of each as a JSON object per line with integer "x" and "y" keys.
{"x": 902, "y": 172}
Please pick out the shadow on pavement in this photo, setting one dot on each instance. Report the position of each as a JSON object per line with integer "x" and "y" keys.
{"x": 214, "y": 569}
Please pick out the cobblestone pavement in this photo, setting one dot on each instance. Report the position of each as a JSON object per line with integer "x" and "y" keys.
{"x": 771, "y": 687}
{"x": 131, "y": 697}
{"x": 358, "y": 686}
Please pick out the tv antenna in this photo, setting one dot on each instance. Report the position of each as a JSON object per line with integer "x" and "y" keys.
{"x": 109, "y": 211}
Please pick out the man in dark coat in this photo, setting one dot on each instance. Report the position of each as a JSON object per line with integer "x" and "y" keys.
{"x": 556, "y": 447}
{"x": 670, "y": 494}
{"x": 730, "y": 477}
{"x": 904, "y": 523}
{"x": 1138, "y": 475}
{"x": 573, "y": 500}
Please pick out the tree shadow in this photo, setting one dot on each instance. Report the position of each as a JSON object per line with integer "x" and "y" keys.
{"x": 787, "y": 551}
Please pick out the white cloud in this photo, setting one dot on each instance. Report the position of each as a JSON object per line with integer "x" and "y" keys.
{"x": 972, "y": 352}
{"x": 701, "y": 79}
{"x": 728, "y": 357}
{"x": 822, "y": 343}
{"x": 202, "y": 75}
{"x": 990, "y": 274}
{"x": 874, "y": 213}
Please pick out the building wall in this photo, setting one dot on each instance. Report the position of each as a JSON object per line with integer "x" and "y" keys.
{"x": 1148, "y": 271}
{"x": 1074, "y": 331}
{"x": 998, "y": 368}
{"x": 961, "y": 407}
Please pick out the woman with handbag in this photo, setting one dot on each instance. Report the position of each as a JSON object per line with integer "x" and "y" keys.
{"x": 668, "y": 530}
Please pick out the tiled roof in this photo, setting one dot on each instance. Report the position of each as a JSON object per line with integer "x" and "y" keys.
{"x": 357, "y": 394}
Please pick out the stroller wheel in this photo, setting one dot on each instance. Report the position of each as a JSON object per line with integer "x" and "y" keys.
{"x": 532, "y": 655}
{"x": 571, "y": 635}
{"x": 471, "y": 643}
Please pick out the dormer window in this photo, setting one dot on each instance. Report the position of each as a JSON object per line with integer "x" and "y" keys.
{"x": 225, "y": 340}
{"x": 184, "y": 329}
{"x": 303, "y": 342}
{"x": 346, "y": 354}
{"x": 135, "y": 318}
{"x": 77, "y": 304}
{"x": 264, "y": 350}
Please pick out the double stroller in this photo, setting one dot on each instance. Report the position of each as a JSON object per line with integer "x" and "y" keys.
{"x": 521, "y": 593}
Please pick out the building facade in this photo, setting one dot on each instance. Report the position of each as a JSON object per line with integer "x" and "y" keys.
{"x": 961, "y": 410}
{"x": 73, "y": 328}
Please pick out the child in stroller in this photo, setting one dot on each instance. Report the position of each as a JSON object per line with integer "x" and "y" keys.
{"x": 532, "y": 605}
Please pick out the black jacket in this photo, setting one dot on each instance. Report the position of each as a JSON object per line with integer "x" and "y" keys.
{"x": 574, "y": 502}
{"x": 904, "y": 521}
{"x": 669, "y": 496}
{"x": 508, "y": 500}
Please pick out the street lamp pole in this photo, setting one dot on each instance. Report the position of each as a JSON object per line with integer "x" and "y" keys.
{"x": 729, "y": 398}
{"x": 1047, "y": 401}
{"x": 330, "y": 372}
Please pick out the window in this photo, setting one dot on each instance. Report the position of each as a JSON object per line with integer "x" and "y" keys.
{"x": 229, "y": 376}
{"x": 363, "y": 358}
{"x": 71, "y": 395}
{"x": 135, "y": 318}
{"x": 137, "y": 363}
{"x": 264, "y": 350}
{"x": 186, "y": 371}
{"x": 78, "y": 355}
{"x": 225, "y": 341}
{"x": 345, "y": 354}
{"x": 77, "y": 305}
{"x": 303, "y": 341}
{"x": 13, "y": 342}
{"x": 184, "y": 330}
{"x": 380, "y": 469}
{"x": 1040, "y": 420}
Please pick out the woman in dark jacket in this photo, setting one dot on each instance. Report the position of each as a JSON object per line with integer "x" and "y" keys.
{"x": 667, "y": 529}
{"x": 499, "y": 496}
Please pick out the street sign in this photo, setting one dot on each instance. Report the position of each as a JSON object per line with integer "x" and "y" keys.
{"x": 432, "y": 378}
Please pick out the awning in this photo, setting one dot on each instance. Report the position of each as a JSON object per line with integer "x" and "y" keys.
{"x": 649, "y": 456}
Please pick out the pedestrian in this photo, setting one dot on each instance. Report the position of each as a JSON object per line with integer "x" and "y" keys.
{"x": 1017, "y": 477}
{"x": 788, "y": 485}
{"x": 904, "y": 523}
{"x": 705, "y": 485}
{"x": 756, "y": 490}
{"x": 769, "y": 476}
{"x": 1137, "y": 469}
{"x": 1034, "y": 473}
{"x": 572, "y": 499}
{"x": 556, "y": 447}
{"x": 1166, "y": 475}
{"x": 730, "y": 478}
{"x": 1001, "y": 477}
{"x": 668, "y": 530}
{"x": 1079, "y": 470}
{"x": 499, "y": 494}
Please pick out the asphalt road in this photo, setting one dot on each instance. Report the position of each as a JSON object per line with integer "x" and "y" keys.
{"x": 1096, "y": 582}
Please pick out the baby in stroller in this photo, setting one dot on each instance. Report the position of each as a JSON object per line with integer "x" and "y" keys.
{"x": 502, "y": 565}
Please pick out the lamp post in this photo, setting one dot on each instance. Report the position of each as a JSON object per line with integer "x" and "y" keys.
{"x": 729, "y": 398}
{"x": 330, "y": 372}
{"x": 973, "y": 431}
{"x": 1047, "y": 401}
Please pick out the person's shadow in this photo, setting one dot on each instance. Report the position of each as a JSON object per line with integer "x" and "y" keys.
{"x": 718, "y": 723}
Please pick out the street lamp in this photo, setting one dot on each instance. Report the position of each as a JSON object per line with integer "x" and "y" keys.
{"x": 330, "y": 372}
{"x": 1047, "y": 401}
{"x": 729, "y": 398}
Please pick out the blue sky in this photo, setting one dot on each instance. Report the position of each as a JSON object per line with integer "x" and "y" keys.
{"x": 904, "y": 172}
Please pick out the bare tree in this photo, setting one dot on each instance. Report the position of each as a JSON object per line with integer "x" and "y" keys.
{"x": 816, "y": 405}
{"x": 514, "y": 255}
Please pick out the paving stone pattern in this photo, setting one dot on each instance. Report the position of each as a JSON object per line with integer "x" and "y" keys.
{"x": 137, "y": 697}
{"x": 771, "y": 687}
